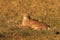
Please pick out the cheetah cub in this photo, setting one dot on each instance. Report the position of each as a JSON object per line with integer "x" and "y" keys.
{"x": 35, "y": 25}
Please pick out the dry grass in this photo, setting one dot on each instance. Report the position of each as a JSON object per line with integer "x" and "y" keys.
{"x": 11, "y": 12}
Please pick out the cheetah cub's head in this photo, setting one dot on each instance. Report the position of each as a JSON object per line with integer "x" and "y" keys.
{"x": 26, "y": 16}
